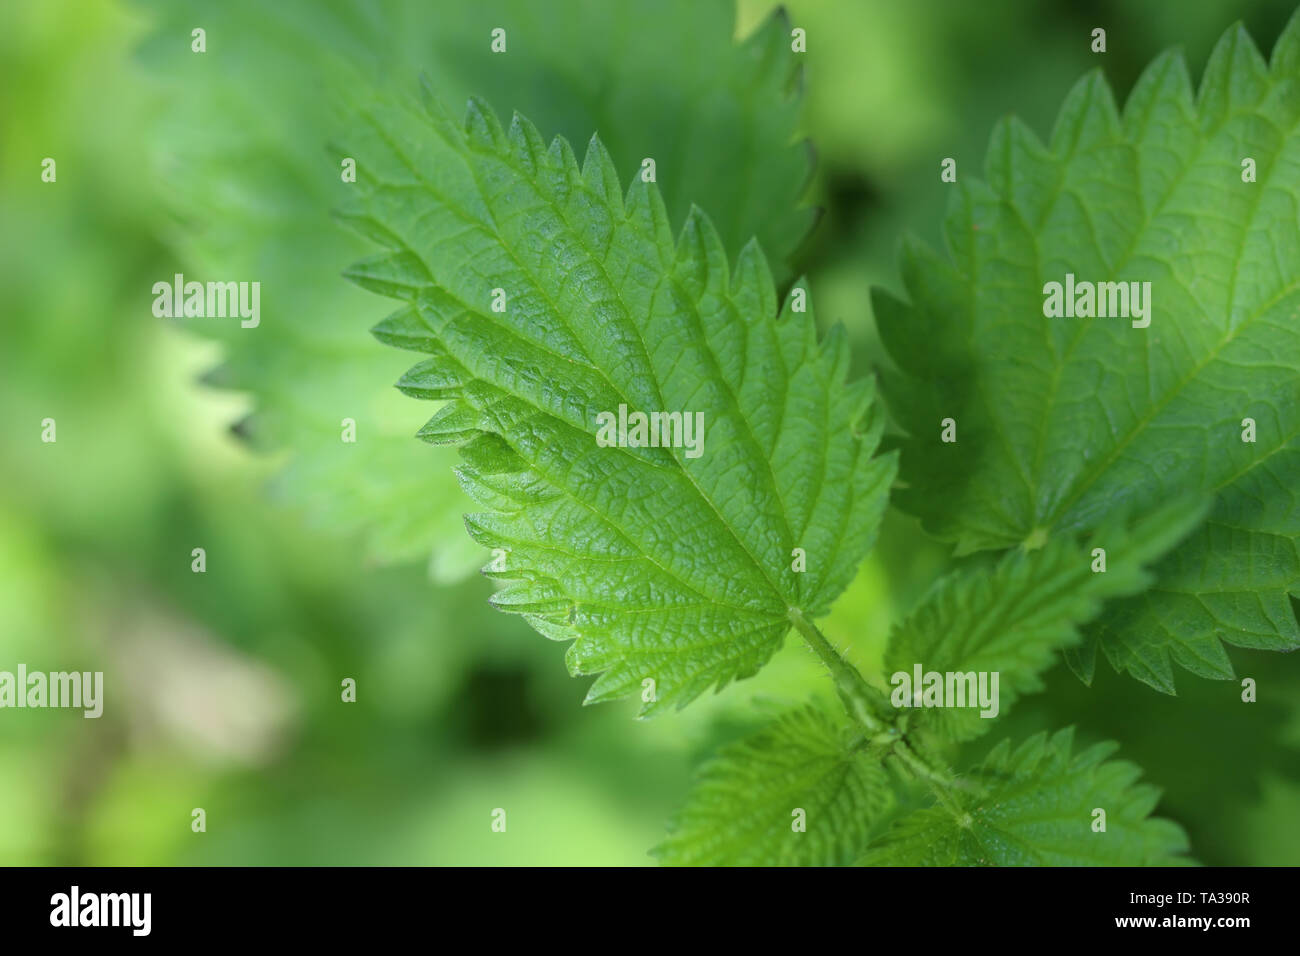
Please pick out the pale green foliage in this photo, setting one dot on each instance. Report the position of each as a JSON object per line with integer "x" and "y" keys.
{"x": 741, "y": 809}
{"x": 659, "y": 566}
{"x": 241, "y": 153}
{"x": 1015, "y": 618}
{"x": 1033, "y": 806}
{"x": 1064, "y": 421}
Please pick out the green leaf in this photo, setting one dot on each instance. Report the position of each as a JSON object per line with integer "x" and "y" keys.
{"x": 1038, "y": 808}
{"x": 1013, "y": 619}
{"x": 671, "y": 565}
{"x": 1061, "y": 421}
{"x": 240, "y": 150}
{"x": 743, "y": 808}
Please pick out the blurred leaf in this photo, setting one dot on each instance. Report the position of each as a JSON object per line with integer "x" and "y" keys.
{"x": 742, "y": 810}
{"x": 1063, "y": 421}
{"x": 1039, "y": 810}
{"x": 1012, "y": 620}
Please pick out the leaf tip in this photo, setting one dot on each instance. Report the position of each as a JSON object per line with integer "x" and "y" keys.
{"x": 481, "y": 124}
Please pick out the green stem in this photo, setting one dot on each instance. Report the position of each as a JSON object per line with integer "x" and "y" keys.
{"x": 921, "y": 767}
{"x": 859, "y": 697}
{"x": 865, "y": 705}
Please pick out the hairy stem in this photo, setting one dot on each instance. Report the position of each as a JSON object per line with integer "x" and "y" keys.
{"x": 860, "y": 699}
{"x": 865, "y": 705}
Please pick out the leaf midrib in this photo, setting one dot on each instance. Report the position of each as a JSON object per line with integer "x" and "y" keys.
{"x": 1081, "y": 487}
{"x": 514, "y": 333}
{"x": 669, "y": 276}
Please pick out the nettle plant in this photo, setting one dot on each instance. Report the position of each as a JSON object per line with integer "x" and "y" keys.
{"x": 1128, "y": 470}
{"x": 1138, "y": 479}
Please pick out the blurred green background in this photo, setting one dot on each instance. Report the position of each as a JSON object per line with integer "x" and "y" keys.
{"x": 223, "y": 688}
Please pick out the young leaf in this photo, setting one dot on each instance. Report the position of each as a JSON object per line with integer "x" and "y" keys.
{"x": 1013, "y": 621}
{"x": 546, "y": 301}
{"x": 1039, "y": 808}
{"x": 801, "y": 792}
{"x": 241, "y": 151}
{"x": 1060, "y": 421}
